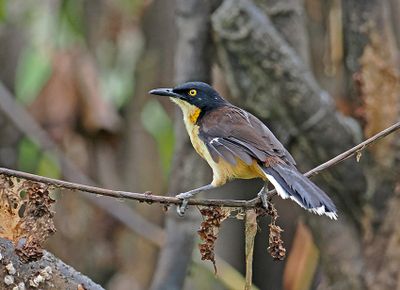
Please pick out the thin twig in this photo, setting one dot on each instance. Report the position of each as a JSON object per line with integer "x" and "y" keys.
{"x": 345, "y": 155}
{"x": 356, "y": 149}
{"x": 150, "y": 198}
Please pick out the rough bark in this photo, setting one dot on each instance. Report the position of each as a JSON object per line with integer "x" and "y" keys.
{"x": 289, "y": 19}
{"x": 367, "y": 27}
{"x": 372, "y": 65}
{"x": 47, "y": 273}
{"x": 192, "y": 62}
{"x": 269, "y": 79}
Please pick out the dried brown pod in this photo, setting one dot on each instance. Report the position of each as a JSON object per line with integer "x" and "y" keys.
{"x": 209, "y": 229}
{"x": 275, "y": 242}
{"x": 276, "y": 248}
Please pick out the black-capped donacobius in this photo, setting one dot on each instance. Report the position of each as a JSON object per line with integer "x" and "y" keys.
{"x": 236, "y": 144}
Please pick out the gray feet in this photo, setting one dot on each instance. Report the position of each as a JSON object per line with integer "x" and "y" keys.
{"x": 180, "y": 209}
{"x": 263, "y": 195}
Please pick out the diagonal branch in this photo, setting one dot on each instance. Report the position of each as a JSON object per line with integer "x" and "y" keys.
{"x": 166, "y": 200}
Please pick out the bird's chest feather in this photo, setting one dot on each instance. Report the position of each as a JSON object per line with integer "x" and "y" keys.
{"x": 190, "y": 115}
{"x": 222, "y": 170}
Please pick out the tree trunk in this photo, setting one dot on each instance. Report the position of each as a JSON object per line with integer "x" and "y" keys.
{"x": 372, "y": 65}
{"x": 192, "y": 62}
{"x": 271, "y": 81}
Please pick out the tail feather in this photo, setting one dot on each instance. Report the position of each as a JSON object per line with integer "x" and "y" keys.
{"x": 290, "y": 183}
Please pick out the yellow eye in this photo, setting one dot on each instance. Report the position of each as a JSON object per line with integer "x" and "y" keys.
{"x": 192, "y": 92}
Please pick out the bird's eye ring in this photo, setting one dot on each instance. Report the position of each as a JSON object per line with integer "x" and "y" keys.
{"x": 192, "y": 92}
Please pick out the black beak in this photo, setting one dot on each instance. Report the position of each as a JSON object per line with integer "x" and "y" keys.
{"x": 164, "y": 92}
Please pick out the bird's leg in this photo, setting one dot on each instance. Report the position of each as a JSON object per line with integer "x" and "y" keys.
{"x": 186, "y": 195}
{"x": 264, "y": 196}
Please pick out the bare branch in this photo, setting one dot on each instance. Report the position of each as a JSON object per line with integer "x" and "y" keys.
{"x": 148, "y": 197}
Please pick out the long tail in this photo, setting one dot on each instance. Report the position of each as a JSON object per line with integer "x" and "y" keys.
{"x": 290, "y": 183}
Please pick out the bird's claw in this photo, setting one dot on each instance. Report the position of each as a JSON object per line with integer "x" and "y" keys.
{"x": 180, "y": 209}
{"x": 265, "y": 199}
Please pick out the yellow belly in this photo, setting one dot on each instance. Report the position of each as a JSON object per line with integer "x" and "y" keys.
{"x": 223, "y": 170}
{"x": 241, "y": 170}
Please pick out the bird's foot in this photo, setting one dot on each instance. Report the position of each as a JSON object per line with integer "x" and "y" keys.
{"x": 180, "y": 209}
{"x": 265, "y": 198}
{"x": 186, "y": 195}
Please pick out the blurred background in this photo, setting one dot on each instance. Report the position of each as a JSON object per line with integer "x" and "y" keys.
{"x": 323, "y": 74}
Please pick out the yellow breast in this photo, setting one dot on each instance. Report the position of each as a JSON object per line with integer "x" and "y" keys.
{"x": 222, "y": 170}
{"x": 190, "y": 116}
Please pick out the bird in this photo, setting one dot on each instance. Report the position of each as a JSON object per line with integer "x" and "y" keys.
{"x": 237, "y": 145}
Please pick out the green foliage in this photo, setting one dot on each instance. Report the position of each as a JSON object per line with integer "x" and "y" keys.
{"x": 117, "y": 85}
{"x": 48, "y": 166}
{"x": 33, "y": 71}
{"x": 117, "y": 62}
{"x": 2, "y": 10}
{"x": 31, "y": 159}
{"x": 133, "y": 7}
{"x": 28, "y": 155}
{"x": 156, "y": 121}
{"x": 71, "y": 23}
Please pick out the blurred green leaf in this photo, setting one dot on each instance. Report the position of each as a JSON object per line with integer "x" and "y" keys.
{"x": 28, "y": 155}
{"x": 48, "y": 166}
{"x": 118, "y": 87}
{"x": 2, "y": 10}
{"x": 72, "y": 22}
{"x": 156, "y": 121}
{"x": 133, "y": 7}
{"x": 32, "y": 159}
{"x": 33, "y": 71}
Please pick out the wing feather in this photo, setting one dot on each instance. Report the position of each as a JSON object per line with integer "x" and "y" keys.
{"x": 236, "y": 134}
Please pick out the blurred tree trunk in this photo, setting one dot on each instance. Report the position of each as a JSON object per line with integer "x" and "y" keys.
{"x": 272, "y": 82}
{"x": 11, "y": 42}
{"x": 154, "y": 67}
{"x": 192, "y": 62}
{"x": 373, "y": 74}
{"x": 289, "y": 18}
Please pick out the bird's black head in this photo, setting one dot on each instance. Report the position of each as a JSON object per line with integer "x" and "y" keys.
{"x": 198, "y": 94}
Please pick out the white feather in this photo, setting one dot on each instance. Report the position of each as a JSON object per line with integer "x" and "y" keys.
{"x": 283, "y": 194}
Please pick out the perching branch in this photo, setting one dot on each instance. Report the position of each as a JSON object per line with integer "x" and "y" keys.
{"x": 166, "y": 200}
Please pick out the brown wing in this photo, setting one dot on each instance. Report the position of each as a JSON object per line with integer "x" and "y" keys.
{"x": 230, "y": 132}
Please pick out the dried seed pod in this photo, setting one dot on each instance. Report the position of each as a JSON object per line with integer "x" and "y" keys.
{"x": 208, "y": 232}
{"x": 276, "y": 248}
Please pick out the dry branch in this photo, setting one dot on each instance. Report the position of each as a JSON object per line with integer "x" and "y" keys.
{"x": 148, "y": 197}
